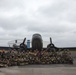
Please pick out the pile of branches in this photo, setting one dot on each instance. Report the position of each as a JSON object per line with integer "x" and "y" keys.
{"x": 18, "y": 58}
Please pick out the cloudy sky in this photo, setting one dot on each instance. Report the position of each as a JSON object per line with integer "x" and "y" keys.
{"x": 50, "y": 18}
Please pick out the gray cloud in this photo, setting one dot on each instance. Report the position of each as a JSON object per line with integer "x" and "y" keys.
{"x": 54, "y": 10}
{"x": 50, "y": 18}
{"x": 13, "y": 23}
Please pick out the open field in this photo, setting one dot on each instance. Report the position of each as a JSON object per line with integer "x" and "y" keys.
{"x": 53, "y": 69}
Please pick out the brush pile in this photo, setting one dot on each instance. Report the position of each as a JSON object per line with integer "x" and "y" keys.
{"x": 19, "y": 58}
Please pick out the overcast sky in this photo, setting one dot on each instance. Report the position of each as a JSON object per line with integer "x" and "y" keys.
{"x": 50, "y": 18}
